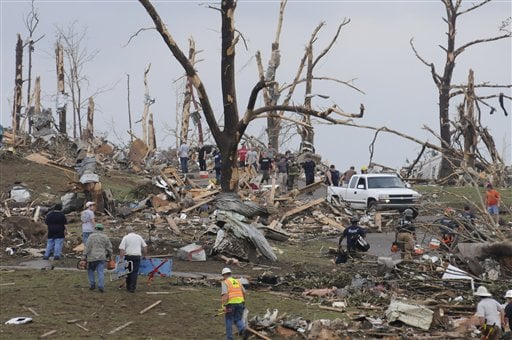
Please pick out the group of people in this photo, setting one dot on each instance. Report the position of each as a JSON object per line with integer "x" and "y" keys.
{"x": 97, "y": 246}
{"x": 334, "y": 177}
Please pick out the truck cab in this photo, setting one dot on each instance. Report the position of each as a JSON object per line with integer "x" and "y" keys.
{"x": 375, "y": 192}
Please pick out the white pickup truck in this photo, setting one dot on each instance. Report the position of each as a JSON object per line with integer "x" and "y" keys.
{"x": 375, "y": 192}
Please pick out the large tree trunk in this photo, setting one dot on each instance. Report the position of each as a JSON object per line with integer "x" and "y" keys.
{"x": 61, "y": 106}
{"x": 89, "y": 133}
{"x": 18, "y": 86}
{"x": 151, "y": 136}
{"x": 467, "y": 120}
{"x": 230, "y": 135}
{"x": 37, "y": 96}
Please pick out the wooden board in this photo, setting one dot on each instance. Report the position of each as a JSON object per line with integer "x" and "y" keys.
{"x": 302, "y": 208}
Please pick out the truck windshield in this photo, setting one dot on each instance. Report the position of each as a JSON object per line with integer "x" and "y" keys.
{"x": 385, "y": 182}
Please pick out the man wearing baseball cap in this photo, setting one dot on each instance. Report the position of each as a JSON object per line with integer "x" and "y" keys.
{"x": 233, "y": 301}
{"x": 490, "y": 313}
{"x": 88, "y": 222}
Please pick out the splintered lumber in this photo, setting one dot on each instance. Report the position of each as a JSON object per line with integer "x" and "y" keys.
{"x": 309, "y": 187}
{"x": 302, "y": 208}
{"x": 334, "y": 309}
{"x": 258, "y": 334}
{"x": 173, "y": 225}
{"x": 40, "y": 159}
{"x": 120, "y": 327}
{"x": 274, "y": 231}
{"x": 331, "y": 222}
{"x": 82, "y": 327}
{"x": 150, "y": 307}
{"x": 44, "y": 335}
{"x": 33, "y": 311}
{"x": 173, "y": 189}
{"x": 204, "y": 194}
{"x": 195, "y": 206}
{"x": 272, "y": 192}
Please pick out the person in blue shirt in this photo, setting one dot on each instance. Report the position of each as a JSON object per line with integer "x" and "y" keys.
{"x": 217, "y": 158}
{"x": 352, "y": 233}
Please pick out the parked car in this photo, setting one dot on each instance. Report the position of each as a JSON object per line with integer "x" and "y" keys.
{"x": 375, "y": 192}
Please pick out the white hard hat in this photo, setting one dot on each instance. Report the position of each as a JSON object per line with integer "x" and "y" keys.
{"x": 482, "y": 291}
{"x": 226, "y": 271}
{"x": 508, "y": 294}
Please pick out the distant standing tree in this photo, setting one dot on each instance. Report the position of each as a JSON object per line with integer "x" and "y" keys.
{"x": 31, "y": 22}
{"x": 444, "y": 81}
{"x": 77, "y": 56}
{"x": 234, "y": 127}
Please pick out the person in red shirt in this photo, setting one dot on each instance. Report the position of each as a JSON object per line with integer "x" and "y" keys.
{"x": 242, "y": 154}
{"x": 492, "y": 202}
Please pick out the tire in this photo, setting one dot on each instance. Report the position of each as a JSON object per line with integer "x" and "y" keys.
{"x": 372, "y": 205}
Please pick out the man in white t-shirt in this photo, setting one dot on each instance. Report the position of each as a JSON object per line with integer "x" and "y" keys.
{"x": 132, "y": 248}
{"x": 88, "y": 222}
{"x": 490, "y": 313}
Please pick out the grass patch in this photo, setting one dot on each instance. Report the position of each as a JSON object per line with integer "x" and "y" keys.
{"x": 186, "y": 312}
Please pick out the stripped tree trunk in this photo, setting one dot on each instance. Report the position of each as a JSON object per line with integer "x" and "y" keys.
{"x": 467, "y": 120}
{"x": 89, "y": 133}
{"x": 129, "y": 107}
{"x": 18, "y": 86}
{"x": 147, "y": 103}
{"x": 185, "y": 116}
{"x": 37, "y": 96}
{"x": 151, "y": 134}
{"x": 61, "y": 91}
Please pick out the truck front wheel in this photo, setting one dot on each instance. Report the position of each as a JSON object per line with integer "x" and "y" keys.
{"x": 372, "y": 205}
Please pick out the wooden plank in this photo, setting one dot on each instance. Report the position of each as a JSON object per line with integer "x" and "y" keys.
{"x": 258, "y": 334}
{"x": 82, "y": 327}
{"x": 302, "y": 208}
{"x": 272, "y": 192}
{"x": 173, "y": 225}
{"x": 331, "y": 222}
{"x": 150, "y": 307}
{"x": 206, "y": 194}
{"x": 120, "y": 327}
{"x": 173, "y": 189}
{"x": 44, "y": 335}
{"x": 195, "y": 206}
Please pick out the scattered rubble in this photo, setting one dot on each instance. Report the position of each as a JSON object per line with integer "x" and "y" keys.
{"x": 190, "y": 219}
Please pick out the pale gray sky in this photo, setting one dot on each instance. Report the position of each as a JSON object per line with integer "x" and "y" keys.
{"x": 374, "y": 48}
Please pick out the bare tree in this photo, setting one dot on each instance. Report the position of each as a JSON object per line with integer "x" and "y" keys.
{"x": 443, "y": 81}
{"x": 77, "y": 56}
{"x": 272, "y": 93}
{"x": 234, "y": 126}
{"x": 18, "y": 86}
{"x": 31, "y": 22}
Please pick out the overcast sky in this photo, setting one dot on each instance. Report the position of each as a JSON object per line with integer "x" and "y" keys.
{"x": 373, "y": 49}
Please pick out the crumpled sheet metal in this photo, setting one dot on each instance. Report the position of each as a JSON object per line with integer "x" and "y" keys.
{"x": 231, "y": 202}
{"x": 244, "y": 230}
{"x": 410, "y": 314}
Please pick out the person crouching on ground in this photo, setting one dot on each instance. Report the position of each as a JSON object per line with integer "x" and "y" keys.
{"x": 490, "y": 314}
{"x": 233, "y": 301}
{"x": 406, "y": 234}
{"x": 97, "y": 250}
{"x": 352, "y": 233}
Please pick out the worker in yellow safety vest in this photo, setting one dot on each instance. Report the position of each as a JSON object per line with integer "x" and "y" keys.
{"x": 233, "y": 301}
